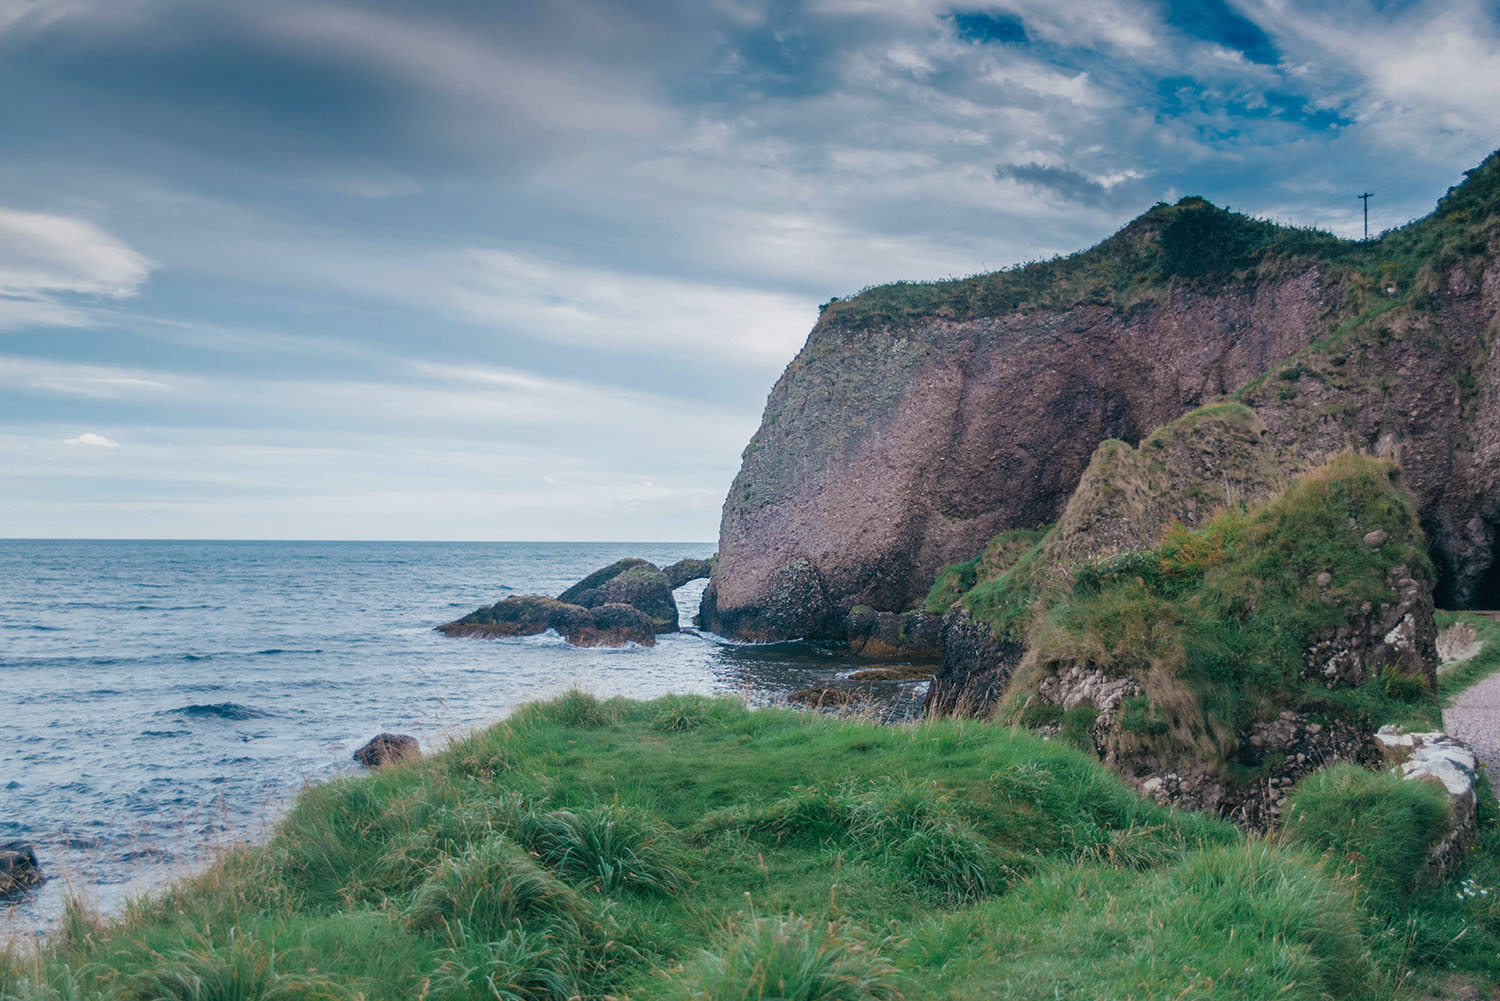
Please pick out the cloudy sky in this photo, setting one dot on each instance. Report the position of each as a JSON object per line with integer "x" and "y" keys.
{"x": 527, "y": 270}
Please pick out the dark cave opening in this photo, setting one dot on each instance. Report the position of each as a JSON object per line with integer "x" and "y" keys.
{"x": 1486, "y": 592}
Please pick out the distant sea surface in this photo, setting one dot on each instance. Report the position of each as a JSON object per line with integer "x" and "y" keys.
{"x": 161, "y": 699}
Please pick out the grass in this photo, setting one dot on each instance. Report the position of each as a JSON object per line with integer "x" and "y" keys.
{"x": 690, "y": 847}
{"x": 1466, "y": 673}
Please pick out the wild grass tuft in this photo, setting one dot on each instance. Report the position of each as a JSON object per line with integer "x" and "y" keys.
{"x": 520, "y": 966}
{"x": 608, "y": 848}
{"x": 241, "y": 970}
{"x": 1374, "y": 825}
{"x": 789, "y": 958}
{"x": 490, "y": 888}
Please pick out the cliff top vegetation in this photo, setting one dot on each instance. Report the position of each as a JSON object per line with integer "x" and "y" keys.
{"x": 1194, "y": 242}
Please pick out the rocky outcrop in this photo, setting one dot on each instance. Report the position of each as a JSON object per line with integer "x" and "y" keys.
{"x": 889, "y": 636}
{"x": 684, "y": 570}
{"x": 1190, "y": 469}
{"x": 388, "y": 749}
{"x": 20, "y": 870}
{"x": 920, "y": 421}
{"x": 1398, "y": 636}
{"x": 1284, "y": 750}
{"x": 611, "y": 624}
{"x": 633, "y": 582}
{"x": 974, "y": 670}
{"x": 1450, "y": 763}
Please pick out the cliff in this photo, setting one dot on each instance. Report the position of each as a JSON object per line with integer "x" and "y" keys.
{"x": 922, "y": 420}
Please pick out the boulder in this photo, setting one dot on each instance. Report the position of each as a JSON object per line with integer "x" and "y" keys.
{"x": 20, "y": 870}
{"x": 388, "y": 749}
{"x": 1449, "y": 762}
{"x": 682, "y": 571}
{"x": 889, "y": 636}
{"x": 526, "y": 615}
{"x": 631, "y": 582}
{"x": 616, "y": 624}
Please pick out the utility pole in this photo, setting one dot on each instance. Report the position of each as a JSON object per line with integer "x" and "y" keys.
{"x": 1366, "y": 197}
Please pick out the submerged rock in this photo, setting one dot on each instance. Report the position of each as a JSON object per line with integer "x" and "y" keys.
{"x": 633, "y": 582}
{"x": 20, "y": 870}
{"x": 388, "y": 749}
{"x": 528, "y": 615}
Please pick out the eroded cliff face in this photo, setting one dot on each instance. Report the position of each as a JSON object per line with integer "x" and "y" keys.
{"x": 908, "y": 433}
{"x": 886, "y": 453}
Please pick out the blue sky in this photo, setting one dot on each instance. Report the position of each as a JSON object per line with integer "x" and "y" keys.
{"x": 527, "y": 271}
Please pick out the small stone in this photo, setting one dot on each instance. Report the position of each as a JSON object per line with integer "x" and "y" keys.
{"x": 1377, "y": 538}
{"x": 1325, "y": 578}
{"x": 388, "y": 749}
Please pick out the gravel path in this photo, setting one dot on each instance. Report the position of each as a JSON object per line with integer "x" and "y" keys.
{"x": 1475, "y": 717}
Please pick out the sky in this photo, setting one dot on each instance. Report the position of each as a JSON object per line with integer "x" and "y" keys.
{"x": 463, "y": 270}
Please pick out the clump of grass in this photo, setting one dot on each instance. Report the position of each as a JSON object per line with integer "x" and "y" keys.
{"x": 1375, "y": 825}
{"x": 242, "y": 970}
{"x": 491, "y": 888}
{"x": 789, "y": 958}
{"x": 608, "y": 848}
{"x": 520, "y": 966}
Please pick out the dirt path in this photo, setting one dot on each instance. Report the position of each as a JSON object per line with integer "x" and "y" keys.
{"x": 1475, "y": 717}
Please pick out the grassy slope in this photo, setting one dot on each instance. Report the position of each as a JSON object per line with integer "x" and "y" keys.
{"x": 692, "y": 848}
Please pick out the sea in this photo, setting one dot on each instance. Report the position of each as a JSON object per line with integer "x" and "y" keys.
{"x": 161, "y": 701}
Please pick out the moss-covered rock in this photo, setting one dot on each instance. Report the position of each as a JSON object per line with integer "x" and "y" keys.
{"x": 633, "y": 582}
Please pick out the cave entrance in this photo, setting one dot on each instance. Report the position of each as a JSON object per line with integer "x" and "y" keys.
{"x": 1486, "y": 593}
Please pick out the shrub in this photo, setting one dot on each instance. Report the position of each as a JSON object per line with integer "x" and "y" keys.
{"x": 491, "y": 888}
{"x": 789, "y": 958}
{"x": 1372, "y": 824}
{"x": 609, "y": 848}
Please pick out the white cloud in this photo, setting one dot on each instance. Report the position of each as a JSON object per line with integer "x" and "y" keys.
{"x": 46, "y": 260}
{"x": 92, "y": 440}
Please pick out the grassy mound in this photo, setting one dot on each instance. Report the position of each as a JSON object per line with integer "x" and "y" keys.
{"x": 690, "y": 847}
{"x": 1213, "y": 624}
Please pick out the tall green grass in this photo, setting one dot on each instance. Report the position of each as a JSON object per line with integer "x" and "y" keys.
{"x": 583, "y": 849}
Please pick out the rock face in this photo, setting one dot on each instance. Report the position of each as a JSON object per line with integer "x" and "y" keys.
{"x": 1399, "y": 635}
{"x": 1449, "y": 762}
{"x": 631, "y": 582}
{"x": 20, "y": 870}
{"x": 388, "y": 749}
{"x": 612, "y": 624}
{"x": 975, "y": 668}
{"x": 888, "y": 636}
{"x": 920, "y": 421}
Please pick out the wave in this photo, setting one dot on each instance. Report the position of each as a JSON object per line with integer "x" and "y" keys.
{"x": 219, "y": 710}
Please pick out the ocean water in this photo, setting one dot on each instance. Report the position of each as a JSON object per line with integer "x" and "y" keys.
{"x": 160, "y": 700}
